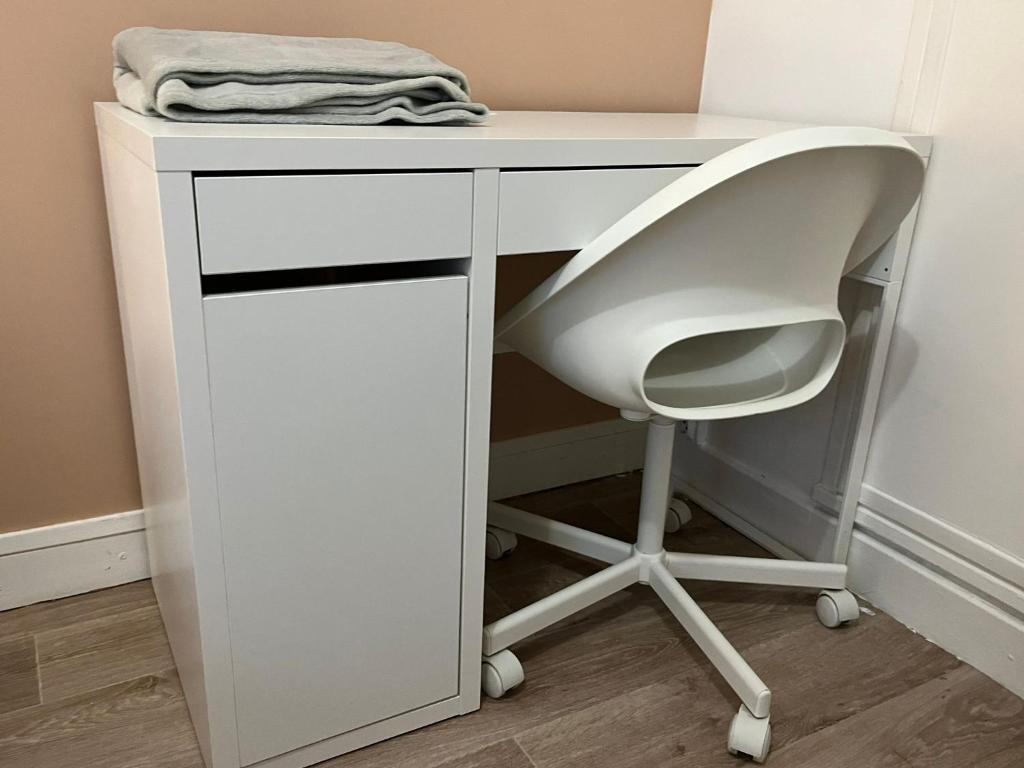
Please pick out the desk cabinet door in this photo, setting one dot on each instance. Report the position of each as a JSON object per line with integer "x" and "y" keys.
{"x": 338, "y": 418}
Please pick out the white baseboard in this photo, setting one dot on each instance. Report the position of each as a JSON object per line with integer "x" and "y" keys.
{"x": 943, "y": 535}
{"x": 71, "y": 558}
{"x": 953, "y": 617}
{"x": 959, "y": 592}
{"x": 564, "y": 456}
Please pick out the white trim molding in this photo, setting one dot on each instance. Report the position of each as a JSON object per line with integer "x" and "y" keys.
{"x": 958, "y": 591}
{"x": 67, "y": 559}
{"x": 71, "y": 558}
{"x": 953, "y": 616}
{"x": 563, "y": 456}
{"x": 977, "y": 565}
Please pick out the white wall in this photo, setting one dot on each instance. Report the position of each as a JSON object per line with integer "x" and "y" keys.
{"x": 940, "y": 524}
{"x": 818, "y": 61}
{"x": 823, "y": 61}
{"x": 949, "y": 438}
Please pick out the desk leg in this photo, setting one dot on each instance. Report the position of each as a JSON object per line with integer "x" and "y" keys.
{"x": 478, "y": 418}
{"x": 865, "y": 420}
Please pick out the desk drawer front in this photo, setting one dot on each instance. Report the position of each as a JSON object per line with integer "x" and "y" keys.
{"x": 257, "y": 223}
{"x": 565, "y": 210}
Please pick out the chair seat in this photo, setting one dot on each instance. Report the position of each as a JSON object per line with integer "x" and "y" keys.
{"x": 718, "y": 296}
{"x": 737, "y": 368}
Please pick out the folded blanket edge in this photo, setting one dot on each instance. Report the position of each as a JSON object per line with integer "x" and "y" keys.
{"x": 168, "y": 79}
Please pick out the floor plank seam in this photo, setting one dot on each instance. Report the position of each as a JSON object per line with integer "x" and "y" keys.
{"x": 98, "y": 621}
{"x": 166, "y": 673}
{"x": 45, "y": 670}
{"x": 526, "y": 754}
{"x": 39, "y": 675}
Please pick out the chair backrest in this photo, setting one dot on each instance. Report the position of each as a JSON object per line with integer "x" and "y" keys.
{"x": 717, "y": 296}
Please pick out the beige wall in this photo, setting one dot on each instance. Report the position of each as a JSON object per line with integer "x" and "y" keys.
{"x": 66, "y": 448}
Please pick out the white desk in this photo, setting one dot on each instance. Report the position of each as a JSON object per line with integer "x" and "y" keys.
{"x": 307, "y": 314}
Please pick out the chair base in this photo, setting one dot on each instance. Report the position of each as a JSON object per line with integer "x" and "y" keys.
{"x": 750, "y": 733}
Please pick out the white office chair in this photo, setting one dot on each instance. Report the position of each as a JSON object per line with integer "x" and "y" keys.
{"x": 715, "y": 298}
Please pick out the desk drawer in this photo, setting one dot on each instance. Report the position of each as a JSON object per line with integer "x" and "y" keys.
{"x": 257, "y": 223}
{"x": 564, "y": 210}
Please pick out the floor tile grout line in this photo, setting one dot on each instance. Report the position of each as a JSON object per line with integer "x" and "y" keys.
{"x": 60, "y": 701}
{"x": 39, "y": 672}
{"x": 78, "y": 626}
{"x": 37, "y": 624}
{"x": 112, "y": 683}
{"x": 58, "y": 632}
{"x": 527, "y": 755}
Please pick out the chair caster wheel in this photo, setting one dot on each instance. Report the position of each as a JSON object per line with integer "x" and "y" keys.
{"x": 500, "y": 542}
{"x": 750, "y": 736}
{"x": 678, "y": 515}
{"x": 500, "y": 673}
{"x": 836, "y": 607}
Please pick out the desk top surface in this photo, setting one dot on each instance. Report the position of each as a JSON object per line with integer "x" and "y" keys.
{"x": 507, "y": 140}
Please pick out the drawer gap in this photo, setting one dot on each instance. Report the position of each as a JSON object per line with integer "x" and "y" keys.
{"x": 245, "y": 282}
{"x": 324, "y": 172}
{"x": 557, "y": 168}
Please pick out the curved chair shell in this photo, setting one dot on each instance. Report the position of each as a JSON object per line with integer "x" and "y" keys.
{"x": 717, "y": 296}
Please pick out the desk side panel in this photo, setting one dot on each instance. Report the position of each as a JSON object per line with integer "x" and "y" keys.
{"x": 169, "y": 400}
{"x": 137, "y": 242}
{"x": 115, "y": 124}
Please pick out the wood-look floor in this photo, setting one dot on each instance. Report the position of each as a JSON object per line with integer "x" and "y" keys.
{"x": 88, "y": 682}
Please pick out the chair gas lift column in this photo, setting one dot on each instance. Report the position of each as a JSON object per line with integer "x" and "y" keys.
{"x": 716, "y": 298}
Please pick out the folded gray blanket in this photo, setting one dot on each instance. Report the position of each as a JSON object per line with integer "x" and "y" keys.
{"x": 236, "y": 77}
